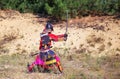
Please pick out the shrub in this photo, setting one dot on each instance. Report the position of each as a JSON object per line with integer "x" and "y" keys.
{"x": 57, "y": 8}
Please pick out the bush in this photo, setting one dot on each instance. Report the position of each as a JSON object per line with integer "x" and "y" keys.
{"x": 57, "y": 8}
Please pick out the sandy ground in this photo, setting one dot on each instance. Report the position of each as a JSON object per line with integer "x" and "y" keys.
{"x": 91, "y": 33}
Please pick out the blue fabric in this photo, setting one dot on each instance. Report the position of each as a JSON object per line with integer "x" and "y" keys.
{"x": 45, "y": 54}
{"x": 45, "y": 39}
{"x": 51, "y": 52}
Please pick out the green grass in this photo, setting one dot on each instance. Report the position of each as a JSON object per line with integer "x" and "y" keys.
{"x": 82, "y": 66}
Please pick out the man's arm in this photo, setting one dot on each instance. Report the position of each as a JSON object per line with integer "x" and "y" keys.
{"x": 61, "y": 37}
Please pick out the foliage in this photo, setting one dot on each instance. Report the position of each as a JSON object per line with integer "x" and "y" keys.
{"x": 57, "y": 8}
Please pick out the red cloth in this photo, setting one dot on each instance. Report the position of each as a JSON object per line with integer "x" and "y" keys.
{"x": 53, "y": 37}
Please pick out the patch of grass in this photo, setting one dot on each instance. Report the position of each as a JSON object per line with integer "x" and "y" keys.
{"x": 62, "y": 52}
{"x": 71, "y": 43}
{"x": 12, "y": 65}
{"x": 7, "y": 38}
{"x": 109, "y": 44}
{"x": 110, "y": 64}
{"x": 102, "y": 48}
{"x": 3, "y": 50}
{"x": 71, "y": 74}
{"x": 93, "y": 39}
{"x": 82, "y": 66}
{"x": 118, "y": 49}
{"x": 10, "y": 36}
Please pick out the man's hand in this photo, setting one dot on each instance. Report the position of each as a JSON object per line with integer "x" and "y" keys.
{"x": 65, "y": 36}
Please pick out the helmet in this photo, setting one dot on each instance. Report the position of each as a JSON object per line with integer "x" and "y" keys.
{"x": 49, "y": 26}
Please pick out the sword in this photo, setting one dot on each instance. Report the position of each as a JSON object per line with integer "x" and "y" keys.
{"x": 66, "y": 22}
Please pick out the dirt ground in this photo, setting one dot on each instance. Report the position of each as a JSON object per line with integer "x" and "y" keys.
{"x": 20, "y": 32}
{"x": 95, "y": 36}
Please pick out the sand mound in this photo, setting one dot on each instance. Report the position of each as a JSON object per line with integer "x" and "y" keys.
{"x": 19, "y": 33}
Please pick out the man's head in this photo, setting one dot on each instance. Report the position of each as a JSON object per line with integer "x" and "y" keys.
{"x": 48, "y": 27}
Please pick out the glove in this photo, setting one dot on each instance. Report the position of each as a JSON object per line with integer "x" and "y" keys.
{"x": 65, "y": 35}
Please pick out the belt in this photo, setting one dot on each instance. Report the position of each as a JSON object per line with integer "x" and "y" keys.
{"x": 44, "y": 50}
